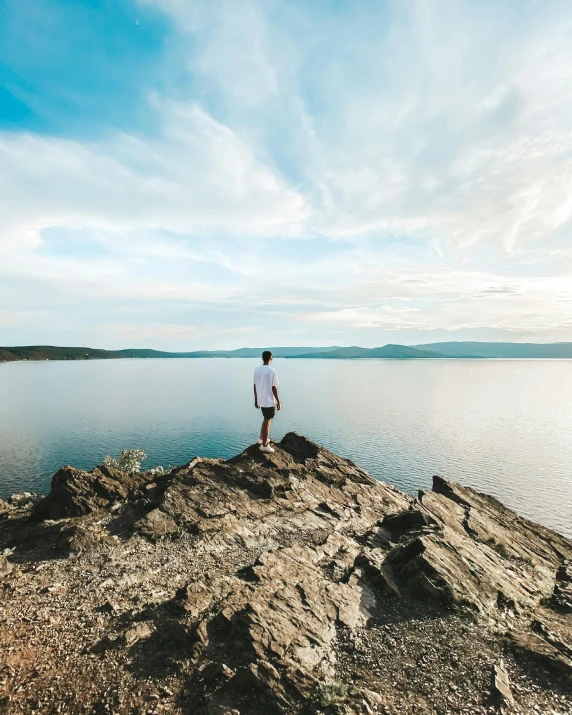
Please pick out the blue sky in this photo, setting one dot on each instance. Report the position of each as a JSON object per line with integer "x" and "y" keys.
{"x": 183, "y": 174}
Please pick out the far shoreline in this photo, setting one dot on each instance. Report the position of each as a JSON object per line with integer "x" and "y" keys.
{"x": 320, "y": 359}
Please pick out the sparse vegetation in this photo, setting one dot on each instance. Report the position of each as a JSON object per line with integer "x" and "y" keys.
{"x": 330, "y": 693}
{"x": 130, "y": 462}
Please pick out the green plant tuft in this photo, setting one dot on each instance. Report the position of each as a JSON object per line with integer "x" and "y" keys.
{"x": 129, "y": 461}
{"x": 330, "y": 693}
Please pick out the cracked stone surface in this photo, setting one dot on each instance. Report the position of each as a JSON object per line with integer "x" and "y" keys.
{"x": 291, "y": 582}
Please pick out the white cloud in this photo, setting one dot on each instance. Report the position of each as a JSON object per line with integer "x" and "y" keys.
{"x": 454, "y": 301}
{"x": 197, "y": 176}
{"x": 417, "y": 147}
{"x": 441, "y": 131}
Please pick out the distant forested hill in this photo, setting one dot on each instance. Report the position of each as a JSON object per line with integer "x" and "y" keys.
{"x": 50, "y": 352}
{"x": 500, "y": 350}
{"x": 6, "y": 356}
{"x": 390, "y": 352}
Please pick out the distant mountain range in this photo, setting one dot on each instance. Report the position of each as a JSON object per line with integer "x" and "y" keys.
{"x": 50, "y": 352}
{"x": 500, "y": 350}
{"x": 390, "y": 352}
{"x": 448, "y": 350}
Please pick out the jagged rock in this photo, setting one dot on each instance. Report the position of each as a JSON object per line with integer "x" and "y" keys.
{"x": 562, "y": 594}
{"x": 156, "y": 525}
{"x": 396, "y": 525}
{"x": 245, "y": 585}
{"x": 141, "y": 630}
{"x": 78, "y": 537}
{"x": 5, "y": 566}
{"x": 287, "y": 611}
{"x": 4, "y": 506}
{"x": 564, "y": 573}
{"x": 25, "y": 499}
{"x": 311, "y": 485}
{"x": 552, "y": 638}
{"x": 212, "y": 671}
{"x": 489, "y": 522}
{"x": 75, "y": 492}
{"x": 65, "y": 536}
{"x": 500, "y": 684}
{"x": 466, "y": 548}
{"x": 533, "y": 644}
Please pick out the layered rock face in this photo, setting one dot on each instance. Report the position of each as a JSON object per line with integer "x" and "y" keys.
{"x": 292, "y": 582}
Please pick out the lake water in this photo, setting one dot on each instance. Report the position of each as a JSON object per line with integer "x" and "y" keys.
{"x": 501, "y": 426}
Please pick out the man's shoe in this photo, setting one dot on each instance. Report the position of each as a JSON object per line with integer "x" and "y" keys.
{"x": 267, "y": 449}
{"x": 259, "y": 441}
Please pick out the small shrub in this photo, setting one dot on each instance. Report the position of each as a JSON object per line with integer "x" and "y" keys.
{"x": 129, "y": 461}
{"x": 330, "y": 693}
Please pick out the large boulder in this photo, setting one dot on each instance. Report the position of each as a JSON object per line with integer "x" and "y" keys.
{"x": 76, "y": 492}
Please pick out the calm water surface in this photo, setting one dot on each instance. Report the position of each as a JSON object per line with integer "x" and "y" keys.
{"x": 501, "y": 426}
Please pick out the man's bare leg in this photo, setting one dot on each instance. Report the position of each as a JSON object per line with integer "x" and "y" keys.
{"x": 265, "y": 431}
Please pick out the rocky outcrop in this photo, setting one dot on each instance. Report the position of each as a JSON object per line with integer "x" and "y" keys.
{"x": 562, "y": 594}
{"x": 75, "y": 492}
{"x": 22, "y": 499}
{"x": 298, "y": 488}
{"x": 284, "y": 583}
{"x": 466, "y": 548}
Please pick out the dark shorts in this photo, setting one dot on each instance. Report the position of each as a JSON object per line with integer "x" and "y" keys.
{"x": 268, "y": 412}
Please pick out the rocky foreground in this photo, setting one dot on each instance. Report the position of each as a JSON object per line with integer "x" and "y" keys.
{"x": 284, "y": 583}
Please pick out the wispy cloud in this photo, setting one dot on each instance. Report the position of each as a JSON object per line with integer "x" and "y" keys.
{"x": 316, "y": 170}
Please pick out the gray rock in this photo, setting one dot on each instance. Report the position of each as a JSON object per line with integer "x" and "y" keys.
{"x": 246, "y": 583}
{"x": 5, "y": 566}
{"x": 467, "y": 549}
{"x": 536, "y": 646}
{"x": 5, "y": 506}
{"x": 141, "y": 630}
{"x": 75, "y": 492}
{"x": 157, "y": 524}
{"x": 500, "y": 684}
{"x": 212, "y": 671}
{"x": 209, "y": 496}
{"x": 25, "y": 499}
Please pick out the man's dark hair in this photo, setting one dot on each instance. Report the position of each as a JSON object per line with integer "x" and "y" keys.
{"x": 266, "y": 355}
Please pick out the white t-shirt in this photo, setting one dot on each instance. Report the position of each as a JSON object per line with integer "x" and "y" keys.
{"x": 264, "y": 378}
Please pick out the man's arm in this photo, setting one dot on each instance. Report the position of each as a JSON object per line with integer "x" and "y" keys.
{"x": 275, "y": 393}
{"x": 255, "y": 398}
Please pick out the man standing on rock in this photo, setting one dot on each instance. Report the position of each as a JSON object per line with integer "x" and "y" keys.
{"x": 266, "y": 397}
